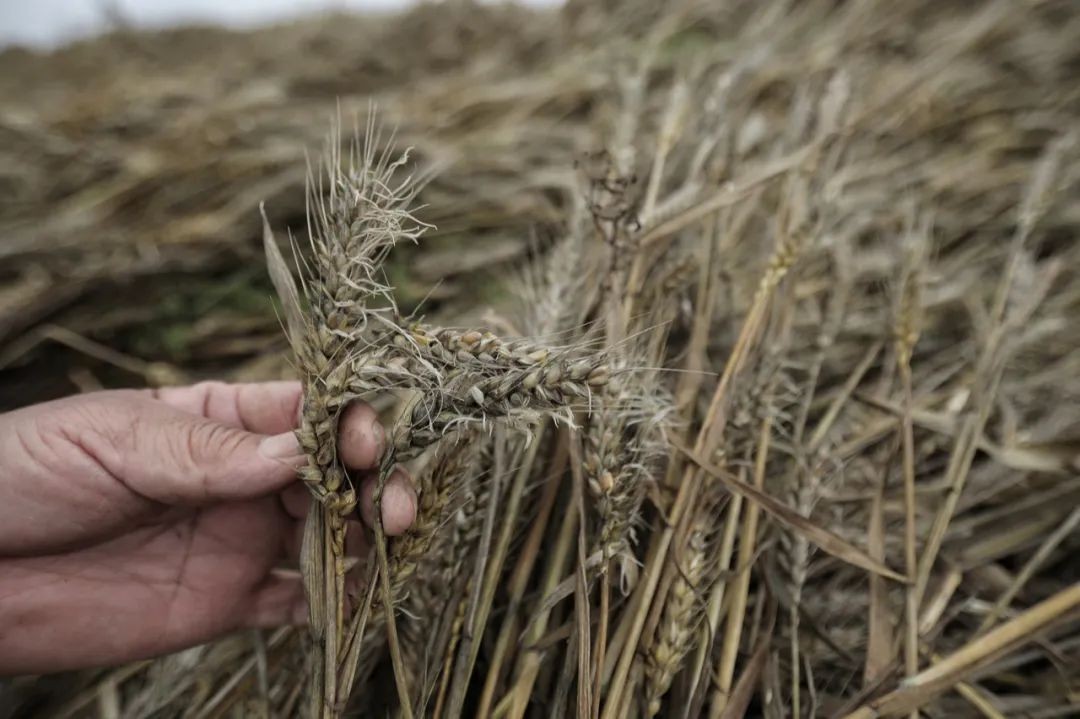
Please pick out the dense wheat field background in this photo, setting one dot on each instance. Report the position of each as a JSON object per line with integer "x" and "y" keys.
{"x": 733, "y": 345}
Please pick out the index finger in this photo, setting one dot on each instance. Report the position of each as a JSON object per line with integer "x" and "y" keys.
{"x": 274, "y": 408}
{"x": 260, "y": 407}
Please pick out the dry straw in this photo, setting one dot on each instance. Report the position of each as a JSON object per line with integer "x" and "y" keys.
{"x": 786, "y": 427}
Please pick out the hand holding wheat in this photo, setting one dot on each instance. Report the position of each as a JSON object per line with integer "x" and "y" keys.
{"x": 137, "y": 523}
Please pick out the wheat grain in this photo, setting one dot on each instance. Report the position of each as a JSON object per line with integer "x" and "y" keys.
{"x": 684, "y": 608}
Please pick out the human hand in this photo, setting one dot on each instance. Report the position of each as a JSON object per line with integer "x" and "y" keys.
{"x": 134, "y": 523}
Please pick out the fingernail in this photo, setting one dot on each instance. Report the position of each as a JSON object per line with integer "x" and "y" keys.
{"x": 281, "y": 448}
{"x": 398, "y": 494}
{"x": 400, "y": 491}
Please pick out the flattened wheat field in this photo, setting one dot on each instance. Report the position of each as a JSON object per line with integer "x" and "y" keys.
{"x": 734, "y": 347}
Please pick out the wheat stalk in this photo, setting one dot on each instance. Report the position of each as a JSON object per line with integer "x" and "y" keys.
{"x": 352, "y": 343}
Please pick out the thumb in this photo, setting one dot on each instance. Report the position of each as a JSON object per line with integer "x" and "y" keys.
{"x": 172, "y": 456}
